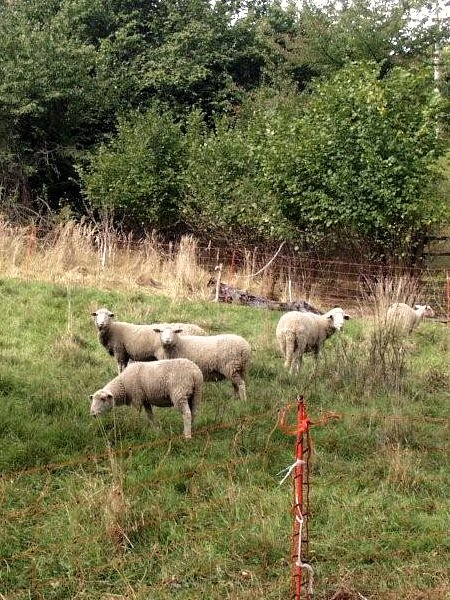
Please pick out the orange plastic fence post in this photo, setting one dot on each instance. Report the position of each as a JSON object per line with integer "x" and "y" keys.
{"x": 300, "y": 509}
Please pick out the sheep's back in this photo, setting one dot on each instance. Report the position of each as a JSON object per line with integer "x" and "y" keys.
{"x": 140, "y": 341}
{"x": 187, "y": 328}
{"x": 401, "y": 315}
{"x": 157, "y": 381}
{"x": 299, "y": 323}
{"x": 211, "y": 353}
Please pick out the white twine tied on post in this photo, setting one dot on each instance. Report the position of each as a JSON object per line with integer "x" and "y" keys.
{"x": 288, "y": 470}
{"x": 300, "y": 521}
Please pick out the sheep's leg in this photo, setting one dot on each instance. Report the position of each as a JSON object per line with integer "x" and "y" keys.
{"x": 183, "y": 407}
{"x": 239, "y": 386}
{"x": 316, "y": 358}
{"x": 122, "y": 362}
{"x": 296, "y": 363}
{"x": 150, "y": 414}
{"x": 289, "y": 347}
{"x": 282, "y": 345}
{"x": 297, "y": 357}
{"x": 194, "y": 403}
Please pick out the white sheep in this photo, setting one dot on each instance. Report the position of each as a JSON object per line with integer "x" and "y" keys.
{"x": 176, "y": 383}
{"x": 405, "y": 318}
{"x": 223, "y": 356}
{"x": 299, "y": 332}
{"x": 127, "y": 341}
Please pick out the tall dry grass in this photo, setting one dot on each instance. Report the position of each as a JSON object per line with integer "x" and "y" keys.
{"x": 94, "y": 254}
{"x": 388, "y": 348}
{"x": 82, "y": 253}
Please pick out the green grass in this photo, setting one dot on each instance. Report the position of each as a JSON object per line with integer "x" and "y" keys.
{"x": 111, "y": 508}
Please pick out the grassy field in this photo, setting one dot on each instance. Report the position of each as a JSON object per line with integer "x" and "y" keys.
{"x": 112, "y": 509}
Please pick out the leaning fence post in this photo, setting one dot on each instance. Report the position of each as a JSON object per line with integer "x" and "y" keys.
{"x": 218, "y": 268}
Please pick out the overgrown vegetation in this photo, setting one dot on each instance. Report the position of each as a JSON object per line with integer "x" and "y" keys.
{"x": 113, "y": 508}
{"x": 234, "y": 120}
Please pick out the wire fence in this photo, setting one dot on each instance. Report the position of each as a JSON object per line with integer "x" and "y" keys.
{"x": 296, "y": 276}
{"x": 277, "y": 272}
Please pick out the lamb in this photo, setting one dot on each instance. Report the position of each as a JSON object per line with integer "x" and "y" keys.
{"x": 405, "y": 318}
{"x": 223, "y": 356}
{"x": 177, "y": 383}
{"x": 127, "y": 341}
{"x": 299, "y": 332}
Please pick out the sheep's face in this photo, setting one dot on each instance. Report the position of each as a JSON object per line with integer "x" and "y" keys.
{"x": 424, "y": 309}
{"x": 102, "y": 317}
{"x": 338, "y": 317}
{"x": 168, "y": 336}
{"x": 101, "y": 401}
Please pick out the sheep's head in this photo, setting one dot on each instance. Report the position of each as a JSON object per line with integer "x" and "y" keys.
{"x": 168, "y": 336}
{"x": 338, "y": 317}
{"x": 102, "y": 317}
{"x": 101, "y": 401}
{"x": 424, "y": 310}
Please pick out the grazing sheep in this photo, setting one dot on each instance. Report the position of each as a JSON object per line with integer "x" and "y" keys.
{"x": 403, "y": 317}
{"x": 177, "y": 383}
{"x": 224, "y": 356}
{"x": 299, "y": 332}
{"x": 127, "y": 341}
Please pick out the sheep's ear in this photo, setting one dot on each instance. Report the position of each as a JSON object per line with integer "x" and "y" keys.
{"x": 178, "y": 330}
{"x": 94, "y": 314}
{"x": 157, "y": 329}
{"x": 346, "y": 317}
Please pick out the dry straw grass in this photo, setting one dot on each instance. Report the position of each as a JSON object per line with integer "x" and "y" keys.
{"x": 89, "y": 254}
{"x": 73, "y": 253}
{"x": 387, "y": 347}
{"x": 95, "y": 255}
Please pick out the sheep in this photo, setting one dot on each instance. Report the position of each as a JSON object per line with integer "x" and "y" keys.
{"x": 402, "y": 317}
{"x": 223, "y": 356}
{"x": 299, "y": 332}
{"x": 127, "y": 341}
{"x": 177, "y": 383}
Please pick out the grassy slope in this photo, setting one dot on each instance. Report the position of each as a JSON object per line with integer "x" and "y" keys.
{"x": 139, "y": 513}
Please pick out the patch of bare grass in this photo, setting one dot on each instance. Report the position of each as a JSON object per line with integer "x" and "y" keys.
{"x": 99, "y": 510}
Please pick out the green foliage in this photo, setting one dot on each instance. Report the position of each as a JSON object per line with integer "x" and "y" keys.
{"x": 139, "y": 173}
{"x": 360, "y": 157}
{"x": 274, "y": 157}
{"x": 225, "y": 191}
{"x": 50, "y": 97}
{"x": 70, "y": 68}
{"x": 386, "y": 32}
